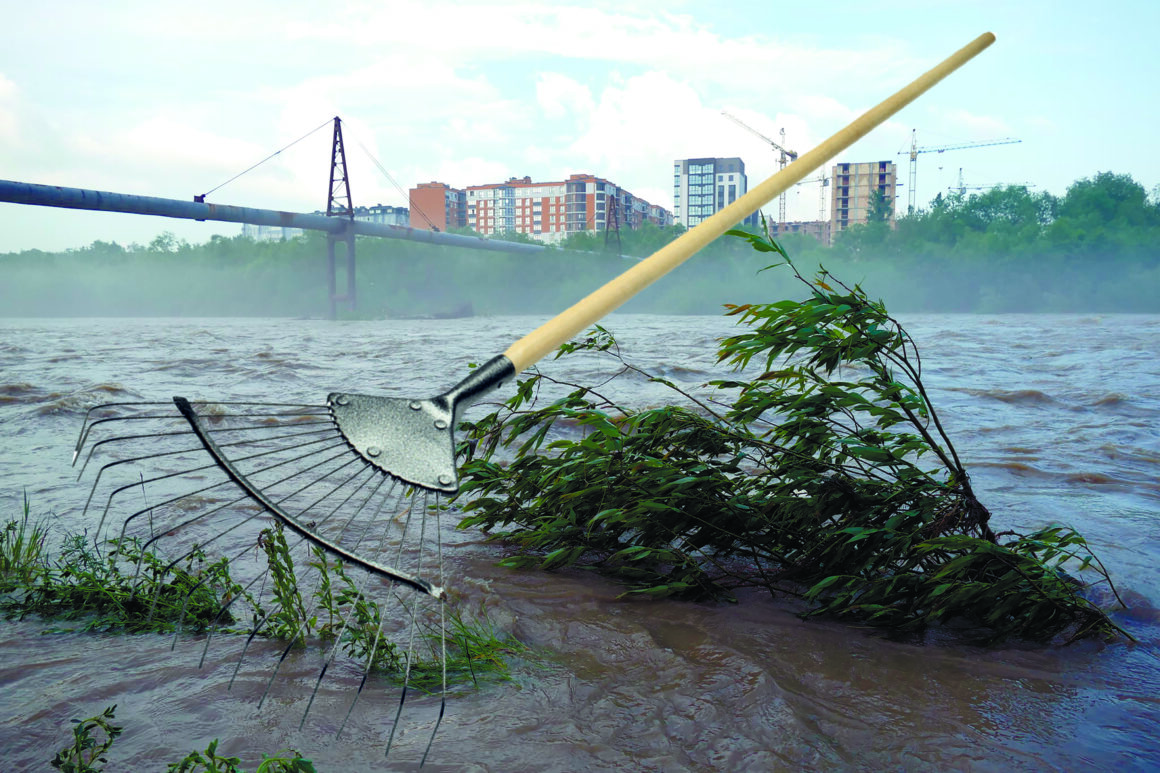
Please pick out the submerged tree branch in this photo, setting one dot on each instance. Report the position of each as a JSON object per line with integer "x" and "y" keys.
{"x": 856, "y": 505}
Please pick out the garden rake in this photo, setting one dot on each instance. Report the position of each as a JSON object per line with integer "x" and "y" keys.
{"x": 359, "y": 480}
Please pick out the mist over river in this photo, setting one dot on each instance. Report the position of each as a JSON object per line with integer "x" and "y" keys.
{"x": 1056, "y": 416}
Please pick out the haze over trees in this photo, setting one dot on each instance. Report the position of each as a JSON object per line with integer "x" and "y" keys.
{"x": 1094, "y": 249}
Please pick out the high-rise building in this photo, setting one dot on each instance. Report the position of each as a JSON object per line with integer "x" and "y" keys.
{"x": 854, "y": 188}
{"x": 702, "y": 186}
{"x": 549, "y": 211}
{"x": 438, "y": 206}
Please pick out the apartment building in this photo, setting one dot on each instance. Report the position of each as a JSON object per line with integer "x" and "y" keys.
{"x": 852, "y": 189}
{"x": 702, "y": 186}
{"x": 549, "y": 211}
{"x": 437, "y": 206}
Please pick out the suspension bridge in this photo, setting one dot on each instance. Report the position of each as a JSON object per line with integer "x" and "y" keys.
{"x": 338, "y": 223}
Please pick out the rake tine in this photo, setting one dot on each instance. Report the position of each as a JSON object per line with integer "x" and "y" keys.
{"x": 185, "y": 555}
{"x": 151, "y": 508}
{"x": 225, "y": 607}
{"x": 406, "y": 678}
{"x": 346, "y": 620}
{"x": 236, "y": 525}
{"x": 322, "y": 673}
{"x": 261, "y": 497}
{"x": 335, "y": 509}
{"x": 300, "y": 630}
{"x": 383, "y": 479}
{"x": 179, "y": 473}
{"x": 249, "y": 639}
{"x": 85, "y": 425}
{"x": 379, "y": 630}
{"x": 95, "y": 422}
{"x": 195, "y": 449}
{"x": 119, "y": 438}
{"x": 262, "y": 576}
{"x": 183, "y": 432}
{"x": 438, "y": 720}
{"x": 188, "y": 494}
{"x": 442, "y": 635}
{"x": 301, "y": 626}
{"x": 410, "y": 636}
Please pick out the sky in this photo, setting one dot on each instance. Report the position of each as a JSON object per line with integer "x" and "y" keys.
{"x": 172, "y": 99}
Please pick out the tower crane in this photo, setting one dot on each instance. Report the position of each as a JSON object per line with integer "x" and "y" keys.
{"x": 962, "y": 188}
{"x": 786, "y": 156}
{"x": 915, "y": 151}
{"x": 825, "y": 183}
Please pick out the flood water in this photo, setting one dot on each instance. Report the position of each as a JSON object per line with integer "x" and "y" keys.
{"x": 1056, "y": 416}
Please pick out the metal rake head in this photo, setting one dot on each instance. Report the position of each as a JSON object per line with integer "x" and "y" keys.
{"x": 344, "y": 498}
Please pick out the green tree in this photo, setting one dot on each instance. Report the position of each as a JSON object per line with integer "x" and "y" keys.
{"x": 880, "y": 208}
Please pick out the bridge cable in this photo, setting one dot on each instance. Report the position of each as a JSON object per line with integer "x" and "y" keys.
{"x": 327, "y": 122}
{"x": 399, "y": 188}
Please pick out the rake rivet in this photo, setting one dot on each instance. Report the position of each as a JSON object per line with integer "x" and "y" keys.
{"x": 342, "y": 400}
{"x": 440, "y": 424}
{"x": 445, "y": 479}
{"x": 416, "y": 405}
{"x": 374, "y": 451}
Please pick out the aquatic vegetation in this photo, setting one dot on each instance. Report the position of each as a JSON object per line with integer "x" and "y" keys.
{"x": 86, "y": 754}
{"x": 209, "y": 761}
{"x": 828, "y": 476}
{"x": 92, "y": 738}
{"x": 21, "y": 549}
{"x": 127, "y": 589}
{"x": 134, "y": 590}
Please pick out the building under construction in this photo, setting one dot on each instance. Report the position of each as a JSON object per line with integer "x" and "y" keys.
{"x": 854, "y": 188}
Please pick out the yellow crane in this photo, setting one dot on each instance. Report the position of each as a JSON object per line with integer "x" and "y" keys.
{"x": 786, "y": 157}
{"x": 915, "y": 151}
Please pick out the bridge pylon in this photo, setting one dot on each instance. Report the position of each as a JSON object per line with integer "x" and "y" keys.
{"x": 339, "y": 204}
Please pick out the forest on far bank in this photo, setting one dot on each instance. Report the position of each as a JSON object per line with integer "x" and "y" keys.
{"x": 1094, "y": 249}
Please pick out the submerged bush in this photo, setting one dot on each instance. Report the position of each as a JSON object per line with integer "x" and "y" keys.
{"x": 827, "y": 476}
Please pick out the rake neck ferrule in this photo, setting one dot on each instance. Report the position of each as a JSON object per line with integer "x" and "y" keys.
{"x": 482, "y": 381}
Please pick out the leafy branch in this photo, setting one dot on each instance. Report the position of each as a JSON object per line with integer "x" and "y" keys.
{"x": 828, "y": 476}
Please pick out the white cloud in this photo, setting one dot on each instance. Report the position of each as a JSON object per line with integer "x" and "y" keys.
{"x": 974, "y": 127}
{"x": 9, "y": 106}
{"x": 474, "y": 35}
{"x": 559, "y": 96}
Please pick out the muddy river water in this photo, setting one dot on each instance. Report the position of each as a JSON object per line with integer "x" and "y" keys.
{"x": 1056, "y": 416}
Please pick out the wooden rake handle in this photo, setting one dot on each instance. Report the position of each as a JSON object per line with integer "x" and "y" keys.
{"x": 546, "y": 338}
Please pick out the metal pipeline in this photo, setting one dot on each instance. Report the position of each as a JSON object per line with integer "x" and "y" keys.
{"x": 106, "y": 201}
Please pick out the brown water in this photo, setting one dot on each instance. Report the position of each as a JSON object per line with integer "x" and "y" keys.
{"x": 1057, "y": 416}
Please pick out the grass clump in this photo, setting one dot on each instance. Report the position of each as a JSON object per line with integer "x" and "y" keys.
{"x": 131, "y": 589}
{"x": 827, "y": 475}
{"x": 128, "y": 589}
{"x": 21, "y": 550}
{"x": 471, "y": 648}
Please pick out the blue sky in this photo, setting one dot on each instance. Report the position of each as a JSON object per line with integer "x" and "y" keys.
{"x": 170, "y": 99}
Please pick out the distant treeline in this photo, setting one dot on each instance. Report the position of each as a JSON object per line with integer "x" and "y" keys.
{"x": 1095, "y": 249}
